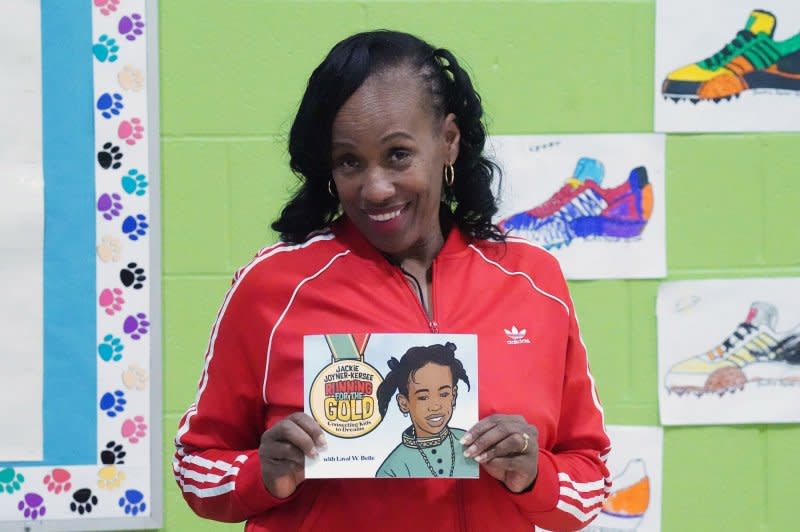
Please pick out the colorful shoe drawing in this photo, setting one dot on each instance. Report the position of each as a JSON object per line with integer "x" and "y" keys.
{"x": 753, "y": 353}
{"x": 627, "y": 503}
{"x": 583, "y": 209}
{"x": 753, "y": 60}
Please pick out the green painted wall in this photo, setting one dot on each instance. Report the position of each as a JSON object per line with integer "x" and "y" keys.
{"x": 232, "y": 73}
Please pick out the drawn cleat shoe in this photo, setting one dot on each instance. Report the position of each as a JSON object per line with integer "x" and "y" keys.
{"x": 754, "y": 352}
{"x": 781, "y": 366}
{"x": 629, "y": 210}
{"x": 753, "y": 60}
{"x": 587, "y": 169}
{"x": 583, "y": 209}
{"x": 627, "y": 503}
{"x": 552, "y": 231}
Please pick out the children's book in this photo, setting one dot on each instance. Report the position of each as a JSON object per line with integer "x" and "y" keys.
{"x": 392, "y": 405}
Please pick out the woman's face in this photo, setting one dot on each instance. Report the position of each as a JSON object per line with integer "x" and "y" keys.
{"x": 388, "y": 153}
{"x": 431, "y": 399}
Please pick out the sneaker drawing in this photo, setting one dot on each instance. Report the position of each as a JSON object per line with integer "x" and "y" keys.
{"x": 627, "y": 503}
{"x": 583, "y": 209}
{"x": 753, "y": 353}
{"x": 753, "y": 60}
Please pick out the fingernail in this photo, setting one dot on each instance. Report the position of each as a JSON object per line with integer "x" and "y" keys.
{"x": 465, "y": 439}
{"x": 480, "y": 458}
{"x": 314, "y": 453}
{"x": 322, "y": 443}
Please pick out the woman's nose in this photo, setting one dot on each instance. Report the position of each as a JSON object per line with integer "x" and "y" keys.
{"x": 378, "y": 187}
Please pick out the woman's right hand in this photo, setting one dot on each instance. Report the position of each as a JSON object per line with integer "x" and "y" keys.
{"x": 283, "y": 449}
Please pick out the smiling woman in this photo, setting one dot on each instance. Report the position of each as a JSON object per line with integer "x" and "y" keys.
{"x": 390, "y": 230}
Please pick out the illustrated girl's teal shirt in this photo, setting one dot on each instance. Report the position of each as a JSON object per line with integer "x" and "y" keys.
{"x": 437, "y": 456}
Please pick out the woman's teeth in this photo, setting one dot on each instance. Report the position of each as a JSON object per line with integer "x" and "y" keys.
{"x": 385, "y": 217}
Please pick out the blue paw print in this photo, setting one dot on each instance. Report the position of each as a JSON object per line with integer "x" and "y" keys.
{"x": 133, "y": 502}
{"x": 134, "y": 183}
{"x": 113, "y": 403}
{"x": 110, "y": 349}
{"x": 105, "y": 49}
{"x": 109, "y": 104}
{"x": 135, "y": 226}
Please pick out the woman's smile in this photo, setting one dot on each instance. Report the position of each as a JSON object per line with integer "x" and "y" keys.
{"x": 387, "y": 214}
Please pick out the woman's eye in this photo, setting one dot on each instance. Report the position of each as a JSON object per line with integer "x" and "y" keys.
{"x": 347, "y": 162}
{"x": 400, "y": 155}
{"x": 422, "y": 398}
{"x": 444, "y": 394}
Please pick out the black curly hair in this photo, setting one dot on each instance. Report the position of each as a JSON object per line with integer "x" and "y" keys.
{"x": 404, "y": 369}
{"x": 470, "y": 201}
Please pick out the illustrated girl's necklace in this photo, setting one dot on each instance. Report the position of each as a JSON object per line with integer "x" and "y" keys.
{"x": 427, "y": 463}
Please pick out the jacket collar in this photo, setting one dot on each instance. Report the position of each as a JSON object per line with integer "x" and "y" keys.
{"x": 348, "y": 234}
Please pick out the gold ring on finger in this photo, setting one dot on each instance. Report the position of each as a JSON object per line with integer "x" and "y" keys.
{"x": 527, "y": 440}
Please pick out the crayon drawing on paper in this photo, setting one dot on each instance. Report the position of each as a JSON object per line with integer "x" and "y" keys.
{"x": 729, "y": 351}
{"x": 727, "y": 65}
{"x": 595, "y": 201}
{"x": 635, "y": 462}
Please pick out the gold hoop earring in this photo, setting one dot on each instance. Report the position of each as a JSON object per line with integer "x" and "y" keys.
{"x": 449, "y": 175}
{"x": 330, "y": 189}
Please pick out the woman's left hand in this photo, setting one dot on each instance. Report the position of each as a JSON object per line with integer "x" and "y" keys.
{"x": 507, "y": 447}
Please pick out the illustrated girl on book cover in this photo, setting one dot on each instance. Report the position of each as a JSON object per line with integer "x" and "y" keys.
{"x": 426, "y": 382}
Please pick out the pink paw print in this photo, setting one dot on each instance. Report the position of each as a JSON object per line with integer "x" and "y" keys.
{"x": 134, "y": 429}
{"x": 58, "y": 480}
{"x": 111, "y": 300}
{"x": 131, "y": 131}
{"x": 106, "y": 6}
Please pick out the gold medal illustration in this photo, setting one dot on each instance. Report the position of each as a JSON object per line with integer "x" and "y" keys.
{"x": 343, "y": 396}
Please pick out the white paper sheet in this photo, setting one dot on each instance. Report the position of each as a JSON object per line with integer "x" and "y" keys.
{"x": 689, "y": 32}
{"x": 635, "y": 463}
{"x": 729, "y": 351}
{"x": 21, "y": 231}
{"x": 616, "y": 230}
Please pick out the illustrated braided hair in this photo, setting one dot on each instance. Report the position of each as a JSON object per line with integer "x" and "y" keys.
{"x": 401, "y": 371}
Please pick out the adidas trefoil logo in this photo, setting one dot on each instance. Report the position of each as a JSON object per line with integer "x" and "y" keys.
{"x": 516, "y": 336}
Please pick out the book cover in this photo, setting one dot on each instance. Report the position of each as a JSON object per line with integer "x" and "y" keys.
{"x": 392, "y": 405}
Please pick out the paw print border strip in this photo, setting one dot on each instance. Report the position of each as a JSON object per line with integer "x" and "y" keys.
{"x": 121, "y": 487}
{"x": 128, "y": 264}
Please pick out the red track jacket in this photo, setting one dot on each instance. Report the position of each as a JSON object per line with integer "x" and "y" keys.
{"x": 336, "y": 282}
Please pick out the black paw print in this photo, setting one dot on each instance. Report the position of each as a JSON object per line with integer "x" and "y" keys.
{"x": 132, "y": 276}
{"x": 83, "y": 501}
{"x": 113, "y": 454}
{"x": 109, "y": 156}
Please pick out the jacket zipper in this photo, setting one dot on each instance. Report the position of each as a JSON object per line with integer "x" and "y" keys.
{"x": 460, "y": 518}
{"x": 433, "y": 325}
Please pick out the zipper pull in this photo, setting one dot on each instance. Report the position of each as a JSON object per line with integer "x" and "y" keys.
{"x": 433, "y": 326}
